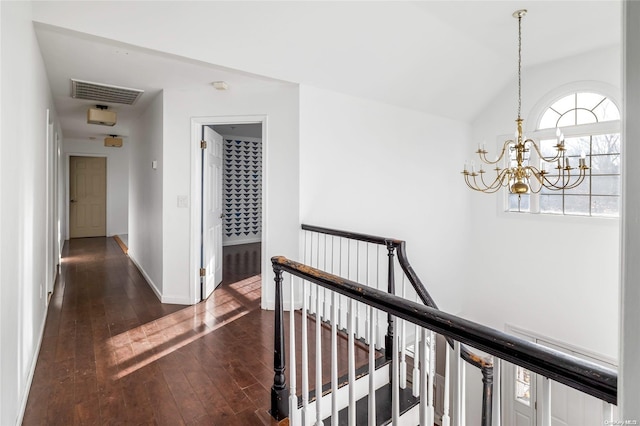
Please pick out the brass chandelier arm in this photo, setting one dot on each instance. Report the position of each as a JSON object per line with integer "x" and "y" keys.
{"x": 565, "y": 177}
{"x": 497, "y": 183}
{"x": 482, "y": 153}
{"x": 559, "y": 148}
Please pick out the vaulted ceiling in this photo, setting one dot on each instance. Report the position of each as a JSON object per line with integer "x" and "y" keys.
{"x": 448, "y": 58}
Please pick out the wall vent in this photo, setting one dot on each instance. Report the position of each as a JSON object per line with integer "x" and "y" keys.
{"x": 104, "y": 92}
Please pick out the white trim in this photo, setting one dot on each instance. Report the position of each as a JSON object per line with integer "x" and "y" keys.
{"x": 194, "y": 236}
{"x": 528, "y": 335}
{"x": 32, "y": 370}
{"x": 146, "y": 276}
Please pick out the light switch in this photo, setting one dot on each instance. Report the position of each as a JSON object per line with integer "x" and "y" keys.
{"x": 154, "y": 164}
{"x": 183, "y": 201}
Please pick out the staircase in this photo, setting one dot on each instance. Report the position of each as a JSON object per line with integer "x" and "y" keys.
{"x": 348, "y": 289}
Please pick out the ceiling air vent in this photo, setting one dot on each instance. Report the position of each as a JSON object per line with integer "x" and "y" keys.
{"x": 104, "y": 92}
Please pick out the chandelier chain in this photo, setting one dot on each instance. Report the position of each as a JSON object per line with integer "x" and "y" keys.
{"x": 519, "y": 65}
{"x": 519, "y": 173}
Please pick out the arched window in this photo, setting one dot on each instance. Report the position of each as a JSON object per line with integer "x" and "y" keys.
{"x": 591, "y": 125}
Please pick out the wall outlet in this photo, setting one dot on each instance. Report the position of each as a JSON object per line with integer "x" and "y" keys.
{"x": 183, "y": 201}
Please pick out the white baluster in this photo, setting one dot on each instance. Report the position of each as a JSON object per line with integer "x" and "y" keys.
{"x": 334, "y": 359}
{"x": 293, "y": 398}
{"x": 366, "y": 282}
{"x": 325, "y": 305}
{"x": 318, "y": 361}
{"x": 607, "y": 413}
{"x": 459, "y": 390}
{"x": 416, "y": 362}
{"x": 403, "y": 344}
{"x": 462, "y": 371}
{"x": 305, "y": 356}
{"x": 372, "y": 369}
{"x": 496, "y": 409}
{"x": 395, "y": 385}
{"x": 432, "y": 374}
{"x": 352, "y": 363}
{"x": 546, "y": 402}
{"x": 423, "y": 377}
{"x": 446, "y": 420}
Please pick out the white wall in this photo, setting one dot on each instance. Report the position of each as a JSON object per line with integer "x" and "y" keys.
{"x": 117, "y": 178}
{"x": 373, "y": 168}
{"x": 25, "y": 99}
{"x": 555, "y": 276}
{"x": 279, "y": 102}
{"x": 145, "y": 237}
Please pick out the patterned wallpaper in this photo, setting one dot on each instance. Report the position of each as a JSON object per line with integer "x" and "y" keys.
{"x": 242, "y": 195}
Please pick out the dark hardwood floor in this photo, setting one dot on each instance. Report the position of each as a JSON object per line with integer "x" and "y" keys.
{"x": 113, "y": 354}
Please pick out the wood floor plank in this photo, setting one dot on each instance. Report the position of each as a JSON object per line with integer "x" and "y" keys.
{"x": 113, "y": 354}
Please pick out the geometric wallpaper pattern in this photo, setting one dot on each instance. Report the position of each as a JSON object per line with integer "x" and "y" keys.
{"x": 242, "y": 190}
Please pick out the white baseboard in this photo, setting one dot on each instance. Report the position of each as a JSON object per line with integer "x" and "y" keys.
{"x": 176, "y": 300}
{"x": 148, "y": 279}
{"x": 32, "y": 370}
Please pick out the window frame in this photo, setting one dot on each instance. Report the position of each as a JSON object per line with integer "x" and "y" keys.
{"x": 580, "y": 130}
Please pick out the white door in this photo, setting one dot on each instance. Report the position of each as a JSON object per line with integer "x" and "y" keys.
{"x": 569, "y": 407}
{"x": 211, "y": 211}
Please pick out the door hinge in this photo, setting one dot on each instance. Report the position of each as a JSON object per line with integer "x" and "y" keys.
{"x": 203, "y": 144}
{"x": 203, "y": 272}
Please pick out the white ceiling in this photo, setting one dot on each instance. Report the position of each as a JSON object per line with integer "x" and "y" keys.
{"x": 443, "y": 57}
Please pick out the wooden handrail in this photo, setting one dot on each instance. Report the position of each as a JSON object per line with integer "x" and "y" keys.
{"x": 585, "y": 376}
{"x": 469, "y": 356}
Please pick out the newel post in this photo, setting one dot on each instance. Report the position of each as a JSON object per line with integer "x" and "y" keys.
{"x": 279, "y": 391}
{"x": 388, "y": 341}
{"x": 487, "y": 395}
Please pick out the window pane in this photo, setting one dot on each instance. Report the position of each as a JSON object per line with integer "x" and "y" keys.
{"x": 565, "y": 104}
{"x": 584, "y": 116}
{"x": 551, "y": 204}
{"x": 567, "y": 119}
{"x": 588, "y": 100}
{"x": 576, "y": 204}
{"x": 606, "y": 144}
{"x": 605, "y": 206}
{"x": 607, "y": 111}
{"x": 604, "y": 164}
{"x": 548, "y": 148}
{"x": 522, "y": 205}
{"x": 582, "y": 189}
{"x": 576, "y": 146}
{"x": 523, "y": 385}
{"x": 605, "y": 185}
{"x": 549, "y": 119}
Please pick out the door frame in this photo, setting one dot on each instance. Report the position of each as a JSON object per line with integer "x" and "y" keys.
{"x": 197, "y": 123}
{"x": 68, "y": 156}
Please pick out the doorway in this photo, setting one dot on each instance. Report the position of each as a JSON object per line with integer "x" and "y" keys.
{"x": 87, "y": 196}
{"x": 231, "y": 197}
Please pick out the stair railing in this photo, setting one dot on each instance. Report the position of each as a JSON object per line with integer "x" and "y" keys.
{"x": 325, "y": 251}
{"x": 585, "y": 376}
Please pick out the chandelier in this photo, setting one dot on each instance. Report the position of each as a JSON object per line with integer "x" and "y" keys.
{"x": 520, "y": 173}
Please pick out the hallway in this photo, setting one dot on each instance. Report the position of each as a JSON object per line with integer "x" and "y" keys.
{"x": 113, "y": 354}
